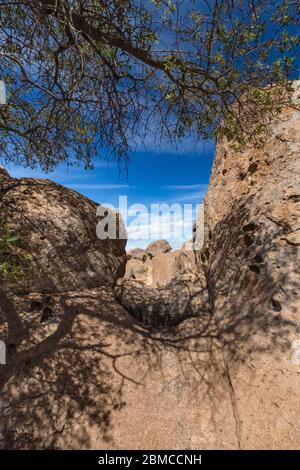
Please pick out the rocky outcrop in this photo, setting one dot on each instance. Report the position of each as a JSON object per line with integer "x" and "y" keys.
{"x": 157, "y": 264}
{"x": 154, "y": 266}
{"x": 252, "y": 217}
{"x": 164, "y": 267}
{"x": 56, "y": 232}
{"x": 91, "y": 375}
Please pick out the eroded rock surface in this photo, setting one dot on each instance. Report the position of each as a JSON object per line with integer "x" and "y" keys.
{"x": 252, "y": 217}
{"x": 56, "y": 231}
{"x": 93, "y": 376}
{"x": 187, "y": 256}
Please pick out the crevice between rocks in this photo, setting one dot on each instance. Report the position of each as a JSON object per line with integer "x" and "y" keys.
{"x": 185, "y": 296}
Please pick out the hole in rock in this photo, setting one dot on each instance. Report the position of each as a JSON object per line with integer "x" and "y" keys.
{"x": 48, "y": 300}
{"x": 47, "y": 315}
{"x": 252, "y": 168}
{"x": 258, "y": 258}
{"x": 276, "y": 305}
{"x": 254, "y": 268}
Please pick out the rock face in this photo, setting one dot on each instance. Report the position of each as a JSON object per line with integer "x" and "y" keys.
{"x": 252, "y": 222}
{"x": 251, "y": 261}
{"x": 154, "y": 266}
{"x": 136, "y": 253}
{"x": 56, "y": 229}
{"x": 92, "y": 376}
{"x": 157, "y": 264}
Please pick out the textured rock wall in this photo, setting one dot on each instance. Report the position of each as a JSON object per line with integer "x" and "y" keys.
{"x": 251, "y": 261}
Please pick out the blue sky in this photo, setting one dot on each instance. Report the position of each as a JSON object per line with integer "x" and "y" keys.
{"x": 155, "y": 175}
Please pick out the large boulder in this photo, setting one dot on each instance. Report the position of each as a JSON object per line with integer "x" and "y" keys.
{"x": 55, "y": 245}
{"x": 158, "y": 246}
{"x": 155, "y": 271}
{"x": 164, "y": 267}
{"x": 154, "y": 266}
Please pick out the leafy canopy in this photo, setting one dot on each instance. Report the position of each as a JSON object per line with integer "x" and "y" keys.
{"x": 85, "y": 76}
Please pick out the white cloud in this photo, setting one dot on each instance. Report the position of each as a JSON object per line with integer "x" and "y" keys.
{"x": 152, "y": 143}
{"x": 98, "y": 186}
{"x": 196, "y": 197}
{"x": 171, "y": 228}
{"x": 186, "y": 187}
